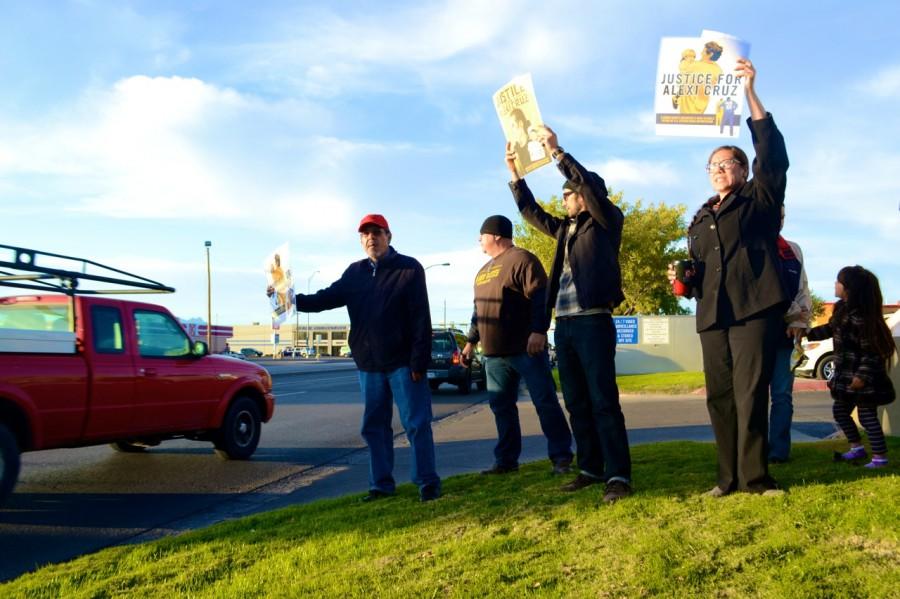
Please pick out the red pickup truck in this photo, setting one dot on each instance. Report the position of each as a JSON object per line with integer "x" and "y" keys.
{"x": 79, "y": 370}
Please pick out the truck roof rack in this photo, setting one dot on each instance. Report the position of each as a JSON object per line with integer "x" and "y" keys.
{"x": 42, "y": 271}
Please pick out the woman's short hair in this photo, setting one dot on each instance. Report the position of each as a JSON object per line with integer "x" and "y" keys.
{"x": 738, "y": 154}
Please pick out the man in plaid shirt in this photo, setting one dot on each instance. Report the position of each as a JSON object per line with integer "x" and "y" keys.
{"x": 585, "y": 285}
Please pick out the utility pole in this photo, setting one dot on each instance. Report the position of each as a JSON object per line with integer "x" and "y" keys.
{"x": 209, "y": 346}
{"x": 445, "y": 299}
{"x": 308, "y": 330}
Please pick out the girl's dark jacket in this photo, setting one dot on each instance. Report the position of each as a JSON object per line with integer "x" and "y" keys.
{"x": 734, "y": 248}
{"x": 593, "y": 249}
{"x": 854, "y": 356}
{"x": 390, "y": 322}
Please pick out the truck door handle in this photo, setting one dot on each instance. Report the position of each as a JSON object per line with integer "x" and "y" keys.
{"x": 148, "y": 371}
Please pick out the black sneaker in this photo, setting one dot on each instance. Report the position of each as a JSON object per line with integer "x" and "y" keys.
{"x": 562, "y": 467}
{"x": 498, "y": 469}
{"x": 429, "y": 493}
{"x": 616, "y": 490}
{"x": 376, "y": 494}
{"x": 581, "y": 481}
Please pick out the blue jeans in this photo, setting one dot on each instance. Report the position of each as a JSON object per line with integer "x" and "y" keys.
{"x": 781, "y": 390}
{"x": 503, "y": 375}
{"x": 413, "y": 399}
{"x": 586, "y": 351}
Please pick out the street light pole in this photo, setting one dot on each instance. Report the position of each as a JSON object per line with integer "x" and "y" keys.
{"x": 308, "y": 330}
{"x": 208, "y": 300}
{"x": 445, "y": 299}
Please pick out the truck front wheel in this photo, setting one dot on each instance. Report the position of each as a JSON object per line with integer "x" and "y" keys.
{"x": 240, "y": 432}
{"x": 9, "y": 462}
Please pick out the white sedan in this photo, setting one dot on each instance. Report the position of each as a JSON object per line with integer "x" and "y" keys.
{"x": 819, "y": 361}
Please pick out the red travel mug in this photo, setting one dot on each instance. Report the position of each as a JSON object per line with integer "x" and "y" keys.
{"x": 681, "y": 286}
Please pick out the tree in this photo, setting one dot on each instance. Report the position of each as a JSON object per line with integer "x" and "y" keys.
{"x": 818, "y": 305}
{"x": 651, "y": 240}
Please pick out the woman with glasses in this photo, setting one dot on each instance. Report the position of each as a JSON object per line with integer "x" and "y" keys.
{"x": 740, "y": 302}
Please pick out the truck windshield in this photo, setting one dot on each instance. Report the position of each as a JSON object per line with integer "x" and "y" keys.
{"x": 16, "y": 313}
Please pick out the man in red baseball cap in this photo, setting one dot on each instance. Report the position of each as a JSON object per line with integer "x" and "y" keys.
{"x": 374, "y": 219}
{"x": 390, "y": 339}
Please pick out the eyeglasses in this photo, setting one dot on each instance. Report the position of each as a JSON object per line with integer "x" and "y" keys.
{"x": 722, "y": 164}
{"x": 568, "y": 193}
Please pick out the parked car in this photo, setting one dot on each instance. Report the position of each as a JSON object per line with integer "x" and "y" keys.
{"x": 446, "y": 362}
{"x": 819, "y": 361}
{"x": 292, "y": 352}
{"x": 81, "y": 370}
{"x": 233, "y": 354}
{"x": 249, "y": 352}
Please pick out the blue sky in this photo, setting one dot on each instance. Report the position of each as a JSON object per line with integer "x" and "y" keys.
{"x": 131, "y": 132}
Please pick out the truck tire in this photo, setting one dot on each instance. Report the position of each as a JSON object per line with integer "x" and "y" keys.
{"x": 9, "y": 462}
{"x": 240, "y": 432}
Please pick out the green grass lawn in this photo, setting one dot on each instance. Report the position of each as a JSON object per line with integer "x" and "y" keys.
{"x": 834, "y": 534}
{"x": 663, "y": 383}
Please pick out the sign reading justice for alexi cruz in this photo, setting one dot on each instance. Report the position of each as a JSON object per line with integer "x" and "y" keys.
{"x": 698, "y": 93}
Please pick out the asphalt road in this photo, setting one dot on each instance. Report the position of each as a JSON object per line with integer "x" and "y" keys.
{"x": 74, "y": 501}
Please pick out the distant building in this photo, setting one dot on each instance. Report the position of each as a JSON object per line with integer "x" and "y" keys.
{"x": 327, "y": 339}
{"x": 219, "y": 337}
{"x": 888, "y": 309}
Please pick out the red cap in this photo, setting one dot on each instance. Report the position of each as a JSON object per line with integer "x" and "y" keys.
{"x": 374, "y": 219}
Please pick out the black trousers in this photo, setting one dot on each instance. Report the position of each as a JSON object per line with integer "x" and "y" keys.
{"x": 738, "y": 362}
{"x": 586, "y": 349}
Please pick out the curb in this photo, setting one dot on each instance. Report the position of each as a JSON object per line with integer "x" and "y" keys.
{"x": 323, "y": 370}
{"x": 800, "y": 386}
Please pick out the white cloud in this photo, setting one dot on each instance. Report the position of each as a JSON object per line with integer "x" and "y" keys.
{"x": 618, "y": 172}
{"x": 634, "y": 127}
{"x": 435, "y": 45}
{"x": 885, "y": 84}
{"x": 176, "y": 148}
{"x": 420, "y": 35}
{"x": 849, "y": 188}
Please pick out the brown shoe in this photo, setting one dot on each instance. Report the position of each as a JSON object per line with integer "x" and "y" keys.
{"x": 616, "y": 490}
{"x": 581, "y": 481}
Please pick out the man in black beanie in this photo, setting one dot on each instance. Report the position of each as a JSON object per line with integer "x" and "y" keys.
{"x": 585, "y": 287}
{"x": 511, "y": 323}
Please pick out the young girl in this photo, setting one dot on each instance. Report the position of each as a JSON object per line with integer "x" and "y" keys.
{"x": 863, "y": 351}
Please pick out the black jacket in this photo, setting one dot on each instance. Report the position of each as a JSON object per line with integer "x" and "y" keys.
{"x": 593, "y": 249}
{"x": 734, "y": 249}
{"x": 390, "y": 322}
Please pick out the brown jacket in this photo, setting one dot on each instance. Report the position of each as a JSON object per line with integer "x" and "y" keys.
{"x": 510, "y": 293}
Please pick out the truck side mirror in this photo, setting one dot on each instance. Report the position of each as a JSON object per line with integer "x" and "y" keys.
{"x": 199, "y": 349}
